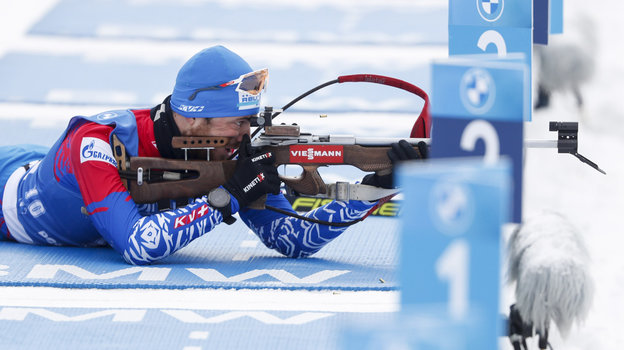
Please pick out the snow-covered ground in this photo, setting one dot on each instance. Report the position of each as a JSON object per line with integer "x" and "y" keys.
{"x": 592, "y": 201}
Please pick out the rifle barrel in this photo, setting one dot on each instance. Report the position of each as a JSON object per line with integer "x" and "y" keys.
{"x": 541, "y": 143}
{"x": 381, "y": 141}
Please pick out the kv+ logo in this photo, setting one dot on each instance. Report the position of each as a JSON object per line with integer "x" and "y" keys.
{"x": 490, "y": 10}
{"x": 477, "y": 91}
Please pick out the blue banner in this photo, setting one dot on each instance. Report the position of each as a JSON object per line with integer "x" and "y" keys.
{"x": 485, "y": 89}
{"x": 468, "y": 40}
{"x": 493, "y": 26}
{"x": 477, "y": 109}
{"x": 556, "y": 16}
{"x": 541, "y": 19}
{"x": 492, "y": 13}
{"x": 450, "y": 250}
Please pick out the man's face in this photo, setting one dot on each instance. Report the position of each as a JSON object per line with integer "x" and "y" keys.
{"x": 232, "y": 127}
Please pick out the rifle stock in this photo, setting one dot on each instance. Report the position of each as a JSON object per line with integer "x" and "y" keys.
{"x": 310, "y": 182}
{"x": 212, "y": 174}
{"x": 209, "y": 175}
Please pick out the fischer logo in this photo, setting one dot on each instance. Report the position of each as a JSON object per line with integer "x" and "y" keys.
{"x": 92, "y": 148}
{"x": 316, "y": 154}
{"x": 192, "y": 216}
{"x": 254, "y": 182}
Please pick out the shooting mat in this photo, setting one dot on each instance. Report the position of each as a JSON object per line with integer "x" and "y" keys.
{"x": 363, "y": 258}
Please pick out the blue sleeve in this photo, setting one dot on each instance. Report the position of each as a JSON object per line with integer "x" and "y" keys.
{"x": 140, "y": 234}
{"x": 298, "y": 238}
{"x": 151, "y": 237}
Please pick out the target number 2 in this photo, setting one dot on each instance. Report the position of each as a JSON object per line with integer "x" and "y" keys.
{"x": 481, "y": 129}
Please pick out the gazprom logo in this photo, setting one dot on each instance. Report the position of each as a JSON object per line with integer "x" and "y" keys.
{"x": 94, "y": 149}
{"x": 490, "y": 10}
{"x": 477, "y": 91}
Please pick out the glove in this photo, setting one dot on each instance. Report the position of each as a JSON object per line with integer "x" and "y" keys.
{"x": 254, "y": 176}
{"x": 400, "y": 151}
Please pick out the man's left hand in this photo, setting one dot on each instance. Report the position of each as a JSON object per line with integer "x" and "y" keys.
{"x": 399, "y": 152}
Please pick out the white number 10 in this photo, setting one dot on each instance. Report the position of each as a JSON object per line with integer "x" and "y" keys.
{"x": 453, "y": 266}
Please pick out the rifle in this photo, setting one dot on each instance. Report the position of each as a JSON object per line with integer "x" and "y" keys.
{"x": 152, "y": 179}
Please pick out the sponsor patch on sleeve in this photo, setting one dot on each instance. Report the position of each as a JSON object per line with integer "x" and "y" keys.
{"x": 94, "y": 149}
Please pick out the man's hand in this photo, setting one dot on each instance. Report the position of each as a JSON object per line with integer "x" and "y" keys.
{"x": 255, "y": 175}
{"x": 398, "y": 152}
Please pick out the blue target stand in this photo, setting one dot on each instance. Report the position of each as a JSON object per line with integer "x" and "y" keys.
{"x": 547, "y": 19}
{"x": 456, "y": 204}
{"x": 450, "y": 258}
{"x": 451, "y": 249}
{"x": 496, "y": 27}
{"x": 478, "y": 108}
{"x": 555, "y": 17}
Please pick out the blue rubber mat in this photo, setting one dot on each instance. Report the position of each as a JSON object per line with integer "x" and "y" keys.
{"x": 363, "y": 258}
{"x": 157, "y": 329}
{"x": 74, "y": 79}
{"x": 248, "y": 21}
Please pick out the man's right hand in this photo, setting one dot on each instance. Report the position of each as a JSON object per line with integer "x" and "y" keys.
{"x": 255, "y": 175}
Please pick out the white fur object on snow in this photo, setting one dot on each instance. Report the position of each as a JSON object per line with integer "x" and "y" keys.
{"x": 549, "y": 262}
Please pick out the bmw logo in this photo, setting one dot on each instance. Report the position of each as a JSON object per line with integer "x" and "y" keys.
{"x": 451, "y": 205}
{"x": 490, "y": 10}
{"x": 477, "y": 91}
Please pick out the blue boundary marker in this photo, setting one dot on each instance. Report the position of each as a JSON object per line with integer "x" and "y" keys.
{"x": 216, "y": 21}
{"x": 72, "y": 79}
{"x": 168, "y": 329}
{"x": 363, "y": 258}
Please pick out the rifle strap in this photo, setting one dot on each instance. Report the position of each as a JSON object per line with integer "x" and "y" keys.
{"x": 380, "y": 202}
{"x": 119, "y": 152}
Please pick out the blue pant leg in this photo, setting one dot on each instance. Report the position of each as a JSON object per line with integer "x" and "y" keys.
{"x": 11, "y": 158}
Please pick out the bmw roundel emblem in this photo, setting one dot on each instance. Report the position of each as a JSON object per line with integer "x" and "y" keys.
{"x": 477, "y": 91}
{"x": 451, "y": 206}
{"x": 490, "y": 10}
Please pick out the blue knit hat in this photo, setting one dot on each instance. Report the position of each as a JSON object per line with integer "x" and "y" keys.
{"x": 197, "y": 93}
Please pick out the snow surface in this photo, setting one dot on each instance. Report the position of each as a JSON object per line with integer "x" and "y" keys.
{"x": 593, "y": 202}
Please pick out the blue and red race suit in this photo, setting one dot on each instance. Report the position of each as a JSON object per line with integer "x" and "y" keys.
{"x": 73, "y": 195}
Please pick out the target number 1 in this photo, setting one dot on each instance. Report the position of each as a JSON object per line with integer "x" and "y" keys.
{"x": 453, "y": 266}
